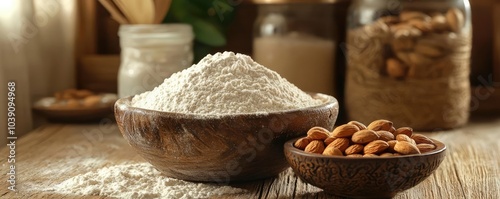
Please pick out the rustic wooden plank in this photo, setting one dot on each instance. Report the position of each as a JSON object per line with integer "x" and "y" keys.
{"x": 99, "y": 72}
{"x": 86, "y": 37}
{"x": 485, "y": 99}
{"x": 496, "y": 37}
{"x": 482, "y": 45}
{"x": 106, "y": 30}
{"x": 490, "y": 103}
{"x": 471, "y": 167}
{"x": 56, "y": 152}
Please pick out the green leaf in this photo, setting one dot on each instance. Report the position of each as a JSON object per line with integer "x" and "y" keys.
{"x": 206, "y": 32}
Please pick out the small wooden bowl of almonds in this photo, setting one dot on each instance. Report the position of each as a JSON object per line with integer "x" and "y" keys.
{"x": 358, "y": 161}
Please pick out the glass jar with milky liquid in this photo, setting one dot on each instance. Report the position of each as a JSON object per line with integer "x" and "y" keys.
{"x": 296, "y": 39}
{"x": 408, "y": 62}
{"x": 150, "y": 53}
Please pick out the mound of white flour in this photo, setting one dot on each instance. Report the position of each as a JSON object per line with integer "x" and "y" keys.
{"x": 225, "y": 83}
{"x": 140, "y": 181}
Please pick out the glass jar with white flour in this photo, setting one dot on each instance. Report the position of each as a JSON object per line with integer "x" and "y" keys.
{"x": 151, "y": 53}
{"x": 297, "y": 40}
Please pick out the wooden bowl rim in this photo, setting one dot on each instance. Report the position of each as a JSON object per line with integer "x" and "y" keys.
{"x": 123, "y": 105}
{"x": 288, "y": 146}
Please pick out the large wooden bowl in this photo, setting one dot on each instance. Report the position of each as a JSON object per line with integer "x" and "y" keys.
{"x": 229, "y": 148}
{"x": 364, "y": 177}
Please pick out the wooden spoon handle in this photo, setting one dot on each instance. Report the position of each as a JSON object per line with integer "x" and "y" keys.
{"x": 115, "y": 12}
{"x": 161, "y": 9}
{"x": 125, "y": 9}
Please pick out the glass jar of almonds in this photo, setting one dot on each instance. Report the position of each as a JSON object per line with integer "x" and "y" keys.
{"x": 408, "y": 61}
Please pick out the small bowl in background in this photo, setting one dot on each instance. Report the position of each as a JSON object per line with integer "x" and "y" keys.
{"x": 363, "y": 177}
{"x": 51, "y": 109}
{"x": 229, "y": 148}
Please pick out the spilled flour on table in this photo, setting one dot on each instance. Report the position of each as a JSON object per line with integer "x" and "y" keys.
{"x": 138, "y": 180}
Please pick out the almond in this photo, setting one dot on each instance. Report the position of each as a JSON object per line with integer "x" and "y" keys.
{"x": 346, "y": 130}
{"x": 378, "y": 125}
{"x": 81, "y": 94}
{"x": 424, "y": 26}
{"x": 406, "y": 148}
{"x": 392, "y": 130}
{"x": 92, "y": 101}
{"x": 360, "y": 125}
{"x": 389, "y": 19}
{"x": 386, "y": 155}
{"x": 428, "y": 49}
{"x": 423, "y": 148}
{"x": 401, "y": 31}
{"x": 340, "y": 143}
{"x": 354, "y": 149}
{"x": 402, "y": 44}
{"x": 315, "y": 146}
{"x": 418, "y": 59}
{"x": 332, "y": 151}
{"x": 354, "y": 155}
{"x": 408, "y": 15}
{"x": 391, "y": 143}
{"x": 329, "y": 140}
{"x": 385, "y": 135}
{"x": 370, "y": 155}
{"x": 376, "y": 147}
{"x": 419, "y": 139}
{"x": 364, "y": 136}
{"x": 318, "y": 133}
{"x": 396, "y": 154}
{"x": 404, "y": 57}
{"x": 455, "y": 19}
{"x": 301, "y": 143}
{"x": 395, "y": 68}
{"x": 404, "y": 130}
{"x": 438, "y": 23}
{"x": 403, "y": 137}
{"x": 73, "y": 103}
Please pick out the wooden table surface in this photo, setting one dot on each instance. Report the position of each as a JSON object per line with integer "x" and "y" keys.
{"x": 55, "y": 152}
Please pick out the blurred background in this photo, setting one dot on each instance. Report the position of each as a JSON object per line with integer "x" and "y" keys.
{"x": 52, "y": 45}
